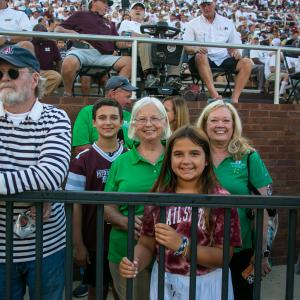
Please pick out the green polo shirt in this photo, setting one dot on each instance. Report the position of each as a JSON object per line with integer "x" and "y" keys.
{"x": 129, "y": 173}
{"x": 85, "y": 133}
{"x": 233, "y": 176}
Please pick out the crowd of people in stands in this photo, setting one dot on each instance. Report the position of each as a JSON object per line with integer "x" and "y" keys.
{"x": 249, "y": 22}
{"x": 153, "y": 148}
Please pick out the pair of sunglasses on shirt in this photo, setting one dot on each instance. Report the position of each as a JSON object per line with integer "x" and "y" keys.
{"x": 12, "y": 73}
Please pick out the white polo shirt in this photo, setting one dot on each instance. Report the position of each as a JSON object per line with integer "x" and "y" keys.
{"x": 14, "y": 20}
{"x": 221, "y": 30}
{"x": 131, "y": 26}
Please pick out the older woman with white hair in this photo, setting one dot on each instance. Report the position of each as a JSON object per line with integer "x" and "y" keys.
{"x": 240, "y": 170}
{"x": 135, "y": 171}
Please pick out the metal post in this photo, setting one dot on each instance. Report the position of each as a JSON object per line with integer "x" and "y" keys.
{"x": 161, "y": 265}
{"x": 226, "y": 253}
{"x": 69, "y": 251}
{"x": 289, "y": 289}
{"x": 277, "y": 77}
{"x": 134, "y": 54}
{"x": 9, "y": 249}
{"x": 99, "y": 251}
{"x": 39, "y": 250}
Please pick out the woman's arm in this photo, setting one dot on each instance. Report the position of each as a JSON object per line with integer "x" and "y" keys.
{"x": 143, "y": 254}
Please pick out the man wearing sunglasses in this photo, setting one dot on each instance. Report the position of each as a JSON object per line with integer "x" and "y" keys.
{"x": 214, "y": 28}
{"x": 35, "y": 147}
{"x": 92, "y": 53}
{"x": 84, "y": 134}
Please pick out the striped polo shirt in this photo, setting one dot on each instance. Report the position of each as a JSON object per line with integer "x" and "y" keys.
{"x": 34, "y": 156}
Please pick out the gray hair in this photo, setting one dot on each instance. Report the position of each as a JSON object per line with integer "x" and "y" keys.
{"x": 138, "y": 106}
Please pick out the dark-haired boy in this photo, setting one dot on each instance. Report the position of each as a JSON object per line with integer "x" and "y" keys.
{"x": 89, "y": 171}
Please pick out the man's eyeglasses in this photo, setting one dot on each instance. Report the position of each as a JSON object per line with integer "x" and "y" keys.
{"x": 12, "y": 73}
{"x": 144, "y": 121}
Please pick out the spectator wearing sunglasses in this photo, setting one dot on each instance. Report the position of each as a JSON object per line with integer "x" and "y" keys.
{"x": 35, "y": 154}
{"x": 84, "y": 134}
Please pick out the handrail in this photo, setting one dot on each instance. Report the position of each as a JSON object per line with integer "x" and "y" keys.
{"x": 137, "y": 40}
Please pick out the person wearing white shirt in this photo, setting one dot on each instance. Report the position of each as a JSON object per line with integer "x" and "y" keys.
{"x": 211, "y": 27}
{"x": 11, "y": 19}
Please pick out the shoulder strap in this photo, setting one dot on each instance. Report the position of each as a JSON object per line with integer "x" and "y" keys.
{"x": 251, "y": 187}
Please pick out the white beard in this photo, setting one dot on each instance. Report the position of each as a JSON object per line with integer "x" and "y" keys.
{"x": 11, "y": 97}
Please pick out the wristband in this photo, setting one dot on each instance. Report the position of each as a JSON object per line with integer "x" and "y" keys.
{"x": 184, "y": 244}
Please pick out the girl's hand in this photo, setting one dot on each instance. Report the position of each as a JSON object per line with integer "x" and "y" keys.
{"x": 127, "y": 268}
{"x": 165, "y": 235}
{"x": 81, "y": 257}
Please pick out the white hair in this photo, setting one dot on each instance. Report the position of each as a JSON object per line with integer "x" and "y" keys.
{"x": 138, "y": 106}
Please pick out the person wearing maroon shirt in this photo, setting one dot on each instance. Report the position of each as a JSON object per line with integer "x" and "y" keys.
{"x": 97, "y": 53}
{"x": 186, "y": 169}
{"x": 88, "y": 172}
{"x": 49, "y": 58}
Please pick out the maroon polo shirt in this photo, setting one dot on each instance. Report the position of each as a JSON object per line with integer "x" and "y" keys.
{"x": 47, "y": 53}
{"x": 87, "y": 22}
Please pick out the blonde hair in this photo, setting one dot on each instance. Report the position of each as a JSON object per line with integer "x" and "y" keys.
{"x": 181, "y": 111}
{"x": 238, "y": 146}
{"x": 138, "y": 106}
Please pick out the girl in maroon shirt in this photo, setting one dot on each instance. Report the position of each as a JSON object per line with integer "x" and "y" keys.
{"x": 188, "y": 170}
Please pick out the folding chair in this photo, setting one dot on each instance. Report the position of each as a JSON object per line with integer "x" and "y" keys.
{"x": 95, "y": 72}
{"x": 294, "y": 77}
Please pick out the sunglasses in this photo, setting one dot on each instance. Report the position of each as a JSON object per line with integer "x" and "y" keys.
{"x": 224, "y": 100}
{"x": 12, "y": 73}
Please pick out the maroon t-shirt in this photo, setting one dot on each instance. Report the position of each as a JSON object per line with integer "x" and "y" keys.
{"x": 89, "y": 171}
{"x": 87, "y": 22}
{"x": 47, "y": 53}
{"x": 179, "y": 218}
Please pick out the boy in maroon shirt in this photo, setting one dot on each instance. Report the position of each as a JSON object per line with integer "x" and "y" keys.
{"x": 89, "y": 171}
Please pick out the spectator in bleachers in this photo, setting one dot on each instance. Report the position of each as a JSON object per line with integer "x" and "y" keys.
{"x": 36, "y": 16}
{"x": 97, "y": 53}
{"x": 270, "y": 74}
{"x": 13, "y": 20}
{"x": 211, "y": 27}
{"x": 50, "y": 60}
{"x": 259, "y": 58}
{"x": 84, "y": 134}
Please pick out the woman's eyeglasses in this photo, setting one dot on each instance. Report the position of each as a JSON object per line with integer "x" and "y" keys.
{"x": 12, "y": 73}
{"x": 152, "y": 120}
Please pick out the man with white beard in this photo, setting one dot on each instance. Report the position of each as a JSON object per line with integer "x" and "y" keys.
{"x": 35, "y": 148}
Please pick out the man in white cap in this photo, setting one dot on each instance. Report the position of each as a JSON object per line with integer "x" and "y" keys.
{"x": 212, "y": 27}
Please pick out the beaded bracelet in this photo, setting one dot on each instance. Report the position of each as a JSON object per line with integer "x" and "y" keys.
{"x": 184, "y": 244}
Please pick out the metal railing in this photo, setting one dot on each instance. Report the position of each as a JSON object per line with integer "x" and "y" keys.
{"x": 161, "y": 200}
{"x": 136, "y": 40}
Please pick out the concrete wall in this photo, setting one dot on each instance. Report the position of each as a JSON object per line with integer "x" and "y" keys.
{"x": 274, "y": 131}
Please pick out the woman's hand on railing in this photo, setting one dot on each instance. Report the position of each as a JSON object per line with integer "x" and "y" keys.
{"x": 167, "y": 236}
{"x": 81, "y": 256}
{"x": 127, "y": 268}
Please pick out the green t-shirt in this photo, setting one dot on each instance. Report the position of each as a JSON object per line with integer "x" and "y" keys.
{"x": 85, "y": 133}
{"x": 129, "y": 173}
{"x": 233, "y": 176}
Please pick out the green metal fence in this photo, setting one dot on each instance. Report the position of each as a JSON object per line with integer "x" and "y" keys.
{"x": 162, "y": 200}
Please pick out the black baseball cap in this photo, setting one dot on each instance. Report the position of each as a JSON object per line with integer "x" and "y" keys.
{"x": 19, "y": 57}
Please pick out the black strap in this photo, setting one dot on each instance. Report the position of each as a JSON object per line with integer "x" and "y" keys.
{"x": 251, "y": 187}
